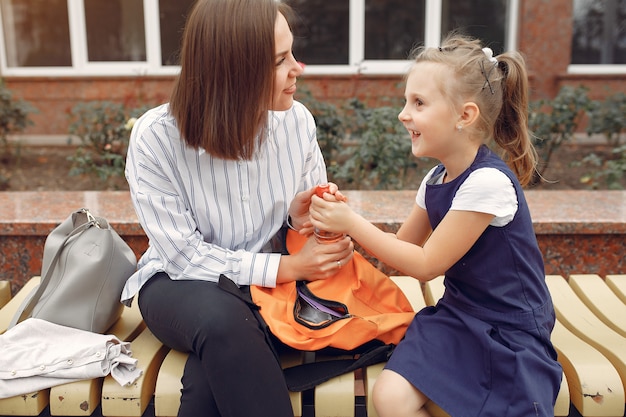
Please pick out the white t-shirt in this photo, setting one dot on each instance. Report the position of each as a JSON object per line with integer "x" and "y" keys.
{"x": 486, "y": 190}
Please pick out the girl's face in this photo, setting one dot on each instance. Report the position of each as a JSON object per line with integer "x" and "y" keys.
{"x": 428, "y": 115}
{"x": 287, "y": 68}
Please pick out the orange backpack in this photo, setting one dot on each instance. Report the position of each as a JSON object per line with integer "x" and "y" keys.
{"x": 358, "y": 305}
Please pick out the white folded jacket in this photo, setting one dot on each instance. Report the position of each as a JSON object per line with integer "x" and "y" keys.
{"x": 36, "y": 354}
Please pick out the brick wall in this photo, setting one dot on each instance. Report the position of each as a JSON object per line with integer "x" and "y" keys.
{"x": 545, "y": 32}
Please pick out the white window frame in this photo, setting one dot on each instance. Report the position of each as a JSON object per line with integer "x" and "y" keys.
{"x": 78, "y": 44}
{"x": 152, "y": 66}
{"x": 432, "y": 36}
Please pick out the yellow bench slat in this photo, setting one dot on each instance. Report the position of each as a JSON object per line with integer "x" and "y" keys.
{"x": 134, "y": 399}
{"x": 618, "y": 284}
{"x": 603, "y": 302}
{"x": 595, "y": 387}
{"x": 581, "y": 321}
{"x": 31, "y": 404}
{"x": 8, "y": 311}
{"x": 412, "y": 289}
{"x": 433, "y": 290}
{"x": 5, "y": 293}
{"x": 336, "y": 397}
{"x": 168, "y": 385}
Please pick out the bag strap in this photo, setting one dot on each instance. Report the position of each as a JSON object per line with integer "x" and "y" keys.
{"x": 29, "y": 303}
{"x": 307, "y": 376}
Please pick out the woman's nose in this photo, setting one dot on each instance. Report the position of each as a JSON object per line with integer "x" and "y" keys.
{"x": 297, "y": 69}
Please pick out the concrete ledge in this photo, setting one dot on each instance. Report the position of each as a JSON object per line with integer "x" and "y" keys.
{"x": 576, "y": 230}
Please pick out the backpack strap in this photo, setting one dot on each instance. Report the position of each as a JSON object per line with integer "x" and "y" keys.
{"x": 308, "y": 375}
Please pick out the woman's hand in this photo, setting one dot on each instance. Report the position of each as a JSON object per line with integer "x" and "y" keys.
{"x": 315, "y": 261}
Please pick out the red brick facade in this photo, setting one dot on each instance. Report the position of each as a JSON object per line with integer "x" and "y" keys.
{"x": 545, "y": 32}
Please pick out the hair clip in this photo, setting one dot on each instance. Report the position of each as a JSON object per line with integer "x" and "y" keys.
{"x": 487, "y": 75}
{"x": 494, "y": 61}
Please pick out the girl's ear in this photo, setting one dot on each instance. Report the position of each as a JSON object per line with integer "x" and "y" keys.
{"x": 469, "y": 114}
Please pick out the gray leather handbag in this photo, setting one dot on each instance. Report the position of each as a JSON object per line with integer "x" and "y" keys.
{"x": 85, "y": 266}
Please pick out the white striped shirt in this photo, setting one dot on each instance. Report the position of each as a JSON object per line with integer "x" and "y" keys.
{"x": 206, "y": 216}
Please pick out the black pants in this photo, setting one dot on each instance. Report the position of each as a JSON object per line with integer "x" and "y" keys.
{"x": 232, "y": 370}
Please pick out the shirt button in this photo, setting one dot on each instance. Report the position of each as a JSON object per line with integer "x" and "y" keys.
{"x": 13, "y": 373}
{"x": 70, "y": 362}
{"x": 244, "y": 198}
{"x": 98, "y": 354}
{"x": 42, "y": 367}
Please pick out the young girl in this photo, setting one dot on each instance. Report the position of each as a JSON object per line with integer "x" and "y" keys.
{"x": 484, "y": 349}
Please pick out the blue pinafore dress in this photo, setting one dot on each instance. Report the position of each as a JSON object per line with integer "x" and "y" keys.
{"x": 484, "y": 349}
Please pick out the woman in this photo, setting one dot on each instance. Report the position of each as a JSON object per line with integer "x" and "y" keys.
{"x": 214, "y": 175}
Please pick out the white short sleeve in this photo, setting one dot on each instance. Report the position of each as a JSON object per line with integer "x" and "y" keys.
{"x": 487, "y": 190}
{"x": 420, "y": 198}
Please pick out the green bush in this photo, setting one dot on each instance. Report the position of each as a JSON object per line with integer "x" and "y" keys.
{"x": 610, "y": 171}
{"x": 367, "y": 147}
{"x": 554, "y": 122}
{"x": 380, "y": 156}
{"x": 330, "y": 128}
{"x": 14, "y": 117}
{"x": 364, "y": 147}
{"x": 103, "y": 128}
{"x": 608, "y": 118}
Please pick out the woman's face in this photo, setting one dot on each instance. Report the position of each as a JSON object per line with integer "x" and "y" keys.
{"x": 287, "y": 68}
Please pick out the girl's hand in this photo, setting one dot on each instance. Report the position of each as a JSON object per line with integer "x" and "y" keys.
{"x": 330, "y": 213}
{"x": 299, "y": 209}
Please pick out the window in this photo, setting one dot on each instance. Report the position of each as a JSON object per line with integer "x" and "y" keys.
{"x": 376, "y": 36}
{"x": 392, "y": 29}
{"x": 107, "y": 42}
{"x": 599, "y": 36}
{"x": 91, "y": 37}
{"x": 136, "y": 37}
{"x": 483, "y": 19}
{"x": 29, "y": 39}
{"x": 172, "y": 16}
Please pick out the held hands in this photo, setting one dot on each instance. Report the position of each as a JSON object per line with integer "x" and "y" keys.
{"x": 314, "y": 261}
{"x": 330, "y": 212}
{"x": 299, "y": 209}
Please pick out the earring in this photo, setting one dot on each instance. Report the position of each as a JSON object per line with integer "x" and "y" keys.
{"x": 459, "y": 127}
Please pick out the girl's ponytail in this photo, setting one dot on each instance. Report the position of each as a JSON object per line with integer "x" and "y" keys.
{"x": 511, "y": 126}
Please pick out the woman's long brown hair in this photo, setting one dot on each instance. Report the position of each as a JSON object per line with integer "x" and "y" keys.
{"x": 223, "y": 93}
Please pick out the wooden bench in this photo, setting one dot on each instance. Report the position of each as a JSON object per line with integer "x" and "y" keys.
{"x": 590, "y": 347}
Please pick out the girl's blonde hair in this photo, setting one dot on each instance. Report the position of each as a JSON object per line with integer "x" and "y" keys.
{"x": 499, "y": 87}
{"x": 223, "y": 93}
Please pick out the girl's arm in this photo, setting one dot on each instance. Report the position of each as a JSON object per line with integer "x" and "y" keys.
{"x": 416, "y": 228}
{"x": 454, "y": 236}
